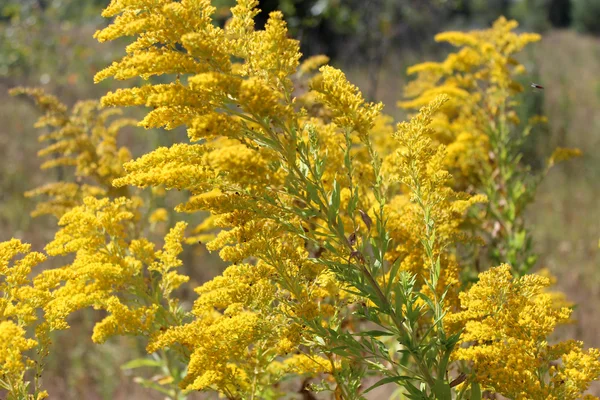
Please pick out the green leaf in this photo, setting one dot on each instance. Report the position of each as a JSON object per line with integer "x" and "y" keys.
{"x": 353, "y": 203}
{"x": 387, "y": 380}
{"x": 334, "y": 202}
{"x": 392, "y": 275}
{"x": 341, "y": 351}
{"x": 444, "y": 362}
{"x": 426, "y": 299}
{"x": 312, "y": 191}
{"x": 442, "y": 390}
{"x": 375, "y": 333}
{"x": 414, "y": 392}
{"x": 438, "y": 267}
{"x": 141, "y": 362}
{"x": 335, "y": 195}
{"x": 475, "y": 391}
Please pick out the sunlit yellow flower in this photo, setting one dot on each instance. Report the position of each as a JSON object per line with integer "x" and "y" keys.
{"x": 507, "y": 324}
{"x": 84, "y": 138}
{"x": 478, "y": 78}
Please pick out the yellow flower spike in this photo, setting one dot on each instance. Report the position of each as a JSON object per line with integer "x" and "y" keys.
{"x": 142, "y": 250}
{"x": 419, "y": 165}
{"x": 457, "y": 38}
{"x": 259, "y": 100}
{"x": 181, "y": 166}
{"x": 213, "y": 125}
{"x": 153, "y": 63}
{"x": 158, "y": 215}
{"x": 123, "y": 320}
{"x": 241, "y": 26}
{"x": 20, "y": 300}
{"x": 168, "y": 260}
{"x": 85, "y": 138}
{"x": 85, "y": 227}
{"x": 20, "y": 316}
{"x": 563, "y": 154}
{"x": 507, "y": 321}
{"x": 273, "y": 56}
{"x": 346, "y": 102}
{"x": 484, "y": 60}
{"x": 13, "y": 344}
{"x": 313, "y": 63}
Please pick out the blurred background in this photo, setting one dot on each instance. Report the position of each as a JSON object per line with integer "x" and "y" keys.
{"x": 49, "y": 43}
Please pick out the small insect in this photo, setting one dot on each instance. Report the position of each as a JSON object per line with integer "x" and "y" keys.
{"x": 536, "y": 86}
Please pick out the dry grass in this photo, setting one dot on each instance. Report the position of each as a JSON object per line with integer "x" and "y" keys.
{"x": 566, "y": 215}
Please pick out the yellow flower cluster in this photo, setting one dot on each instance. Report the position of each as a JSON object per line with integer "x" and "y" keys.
{"x": 332, "y": 220}
{"x": 249, "y": 130}
{"x": 478, "y": 78}
{"x": 345, "y": 101}
{"x": 19, "y": 306}
{"x": 482, "y": 132}
{"x": 507, "y": 322}
{"x": 108, "y": 267}
{"x": 431, "y": 209}
{"x": 84, "y": 139}
{"x": 232, "y": 350}
{"x": 13, "y": 345}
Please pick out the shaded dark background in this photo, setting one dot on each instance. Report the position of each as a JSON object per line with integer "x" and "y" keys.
{"x": 49, "y": 43}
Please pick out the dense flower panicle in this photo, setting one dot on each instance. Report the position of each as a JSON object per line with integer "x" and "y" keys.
{"x": 241, "y": 24}
{"x": 123, "y": 320}
{"x": 163, "y": 23}
{"x": 211, "y": 125}
{"x": 418, "y": 165}
{"x": 89, "y": 225}
{"x": 507, "y": 323}
{"x": 478, "y": 78}
{"x": 96, "y": 232}
{"x": 13, "y": 344}
{"x": 20, "y": 304}
{"x": 273, "y": 57}
{"x": 261, "y": 88}
{"x": 484, "y": 136}
{"x": 84, "y": 138}
{"x": 15, "y": 283}
{"x": 268, "y": 56}
{"x": 110, "y": 266}
{"x": 229, "y": 347}
{"x": 345, "y": 101}
{"x": 238, "y": 331}
{"x": 181, "y": 166}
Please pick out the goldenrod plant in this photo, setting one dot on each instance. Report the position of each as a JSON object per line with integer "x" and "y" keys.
{"x": 482, "y": 131}
{"x": 342, "y": 232}
{"x": 83, "y": 139}
{"x": 24, "y": 338}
